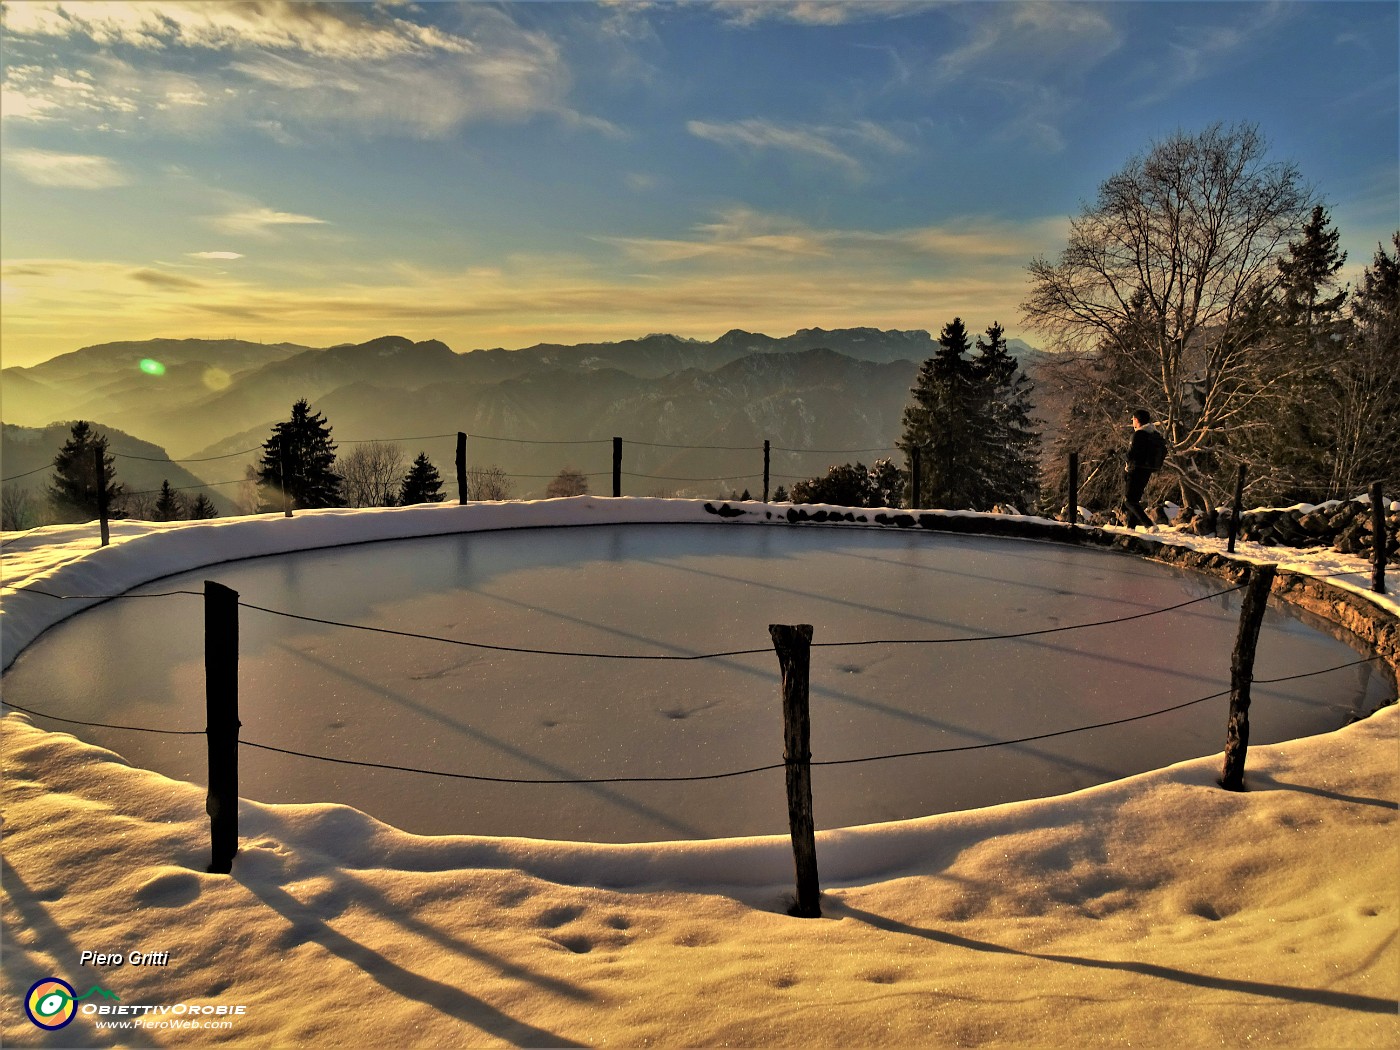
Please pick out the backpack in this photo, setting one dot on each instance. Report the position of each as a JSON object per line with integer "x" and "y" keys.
{"x": 1156, "y": 451}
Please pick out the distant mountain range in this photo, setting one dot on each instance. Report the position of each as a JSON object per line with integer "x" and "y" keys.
{"x": 815, "y": 389}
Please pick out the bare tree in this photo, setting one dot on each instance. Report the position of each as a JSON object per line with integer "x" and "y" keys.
{"x": 489, "y": 483}
{"x": 1163, "y": 287}
{"x": 246, "y": 500}
{"x": 371, "y": 474}
{"x": 19, "y": 510}
{"x": 570, "y": 481}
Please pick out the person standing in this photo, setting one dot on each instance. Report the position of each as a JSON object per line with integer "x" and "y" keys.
{"x": 1145, "y": 457}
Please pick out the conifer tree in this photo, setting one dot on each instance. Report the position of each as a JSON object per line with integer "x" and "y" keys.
{"x": 73, "y": 489}
{"x": 1007, "y": 440}
{"x": 422, "y": 483}
{"x": 309, "y": 459}
{"x": 940, "y": 419}
{"x": 169, "y": 505}
{"x": 202, "y": 507}
{"x": 1309, "y": 273}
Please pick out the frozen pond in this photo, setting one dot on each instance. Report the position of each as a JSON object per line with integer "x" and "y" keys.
{"x": 683, "y": 589}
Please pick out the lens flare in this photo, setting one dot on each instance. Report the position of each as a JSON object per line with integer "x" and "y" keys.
{"x": 152, "y": 367}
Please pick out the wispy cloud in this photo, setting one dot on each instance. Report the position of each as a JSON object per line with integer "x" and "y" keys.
{"x": 832, "y": 144}
{"x": 742, "y": 234}
{"x": 260, "y": 221}
{"x": 214, "y": 255}
{"x": 294, "y": 70}
{"x": 346, "y": 31}
{"x": 1208, "y": 51}
{"x": 74, "y": 170}
{"x": 159, "y": 279}
{"x": 815, "y": 12}
{"x": 1034, "y": 57}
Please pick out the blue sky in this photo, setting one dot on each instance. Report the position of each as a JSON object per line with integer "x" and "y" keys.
{"x": 503, "y": 174}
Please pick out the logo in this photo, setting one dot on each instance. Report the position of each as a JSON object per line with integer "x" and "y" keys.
{"x": 52, "y": 1004}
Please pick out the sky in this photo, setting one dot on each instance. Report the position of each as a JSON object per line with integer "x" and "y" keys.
{"x": 506, "y": 174}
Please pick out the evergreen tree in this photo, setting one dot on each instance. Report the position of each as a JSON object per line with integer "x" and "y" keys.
{"x": 421, "y": 484}
{"x": 940, "y": 419}
{"x": 854, "y": 485}
{"x": 1365, "y": 391}
{"x": 169, "y": 505}
{"x": 781, "y": 496}
{"x": 309, "y": 459}
{"x": 1008, "y": 442}
{"x": 202, "y": 507}
{"x": 1309, "y": 273}
{"x": 970, "y": 417}
{"x": 73, "y": 489}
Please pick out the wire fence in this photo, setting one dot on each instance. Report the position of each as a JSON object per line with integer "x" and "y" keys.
{"x": 672, "y": 657}
{"x": 740, "y": 474}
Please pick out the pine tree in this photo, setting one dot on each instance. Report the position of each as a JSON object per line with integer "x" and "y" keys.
{"x": 202, "y": 507}
{"x": 1366, "y": 384}
{"x": 73, "y": 489}
{"x": 941, "y": 418}
{"x": 309, "y": 460}
{"x": 1310, "y": 272}
{"x": 1008, "y": 443}
{"x": 421, "y": 484}
{"x": 854, "y": 485}
{"x": 169, "y": 505}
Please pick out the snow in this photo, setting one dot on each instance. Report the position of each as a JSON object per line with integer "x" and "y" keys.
{"x": 1156, "y": 910}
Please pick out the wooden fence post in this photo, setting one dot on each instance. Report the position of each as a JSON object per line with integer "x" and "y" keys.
{"x": 617, "y": 466}
{"x": 915, "y": 477}
{"x": 794, "y": 648}
{"x": 1074, "y": 491}
{"x": 221, "y": 728}
{"x": 102, "y": 527}
{"x": 1236, "y": 511}
{"x": 462, "y": 494}
{"x": 1380, "y": 540}
{"x": 765, "y": 471}
{"x": 1256, "y": 598}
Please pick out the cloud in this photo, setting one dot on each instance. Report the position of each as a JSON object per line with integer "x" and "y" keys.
{"x": 744, "y": 235}
{"x": 294, "y": 70}
{"x": 260, "y": 221}
{"x": 1034, "y": 57}
{"x": 214, "y": 255}
{"x": 157, "y": 279}
{"x": 72, "y": 170}
{"x": 816, "y": 12}
{"x": 1209, "y": 50}
{"x": 338, "y": 30}
{"x": 831, "y": 144}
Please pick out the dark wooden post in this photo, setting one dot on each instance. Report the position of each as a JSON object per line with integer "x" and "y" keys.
{"x": 462, "y": 494}
{"x": 282, "y": 467}
{"x": 794, "y": 648}
{"x": 102, "y": 527}
{"x": 617, "y": 466}
{"x": 915, "y": 478}
{"x": 1256, "y": 598}
{"x": 765, "y": 471}
{"x": 1074, "y": 490}
{"x": 221, "y": 728}
{"x": 1380, "y": 540}
{"x": 1236, "y": 511}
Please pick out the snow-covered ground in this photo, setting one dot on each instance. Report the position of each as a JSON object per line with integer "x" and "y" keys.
{"x": 1152, "y": 911}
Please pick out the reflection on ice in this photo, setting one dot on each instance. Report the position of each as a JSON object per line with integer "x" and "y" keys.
{"x": 685, "y": 590}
